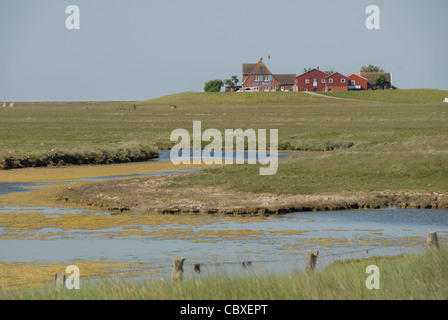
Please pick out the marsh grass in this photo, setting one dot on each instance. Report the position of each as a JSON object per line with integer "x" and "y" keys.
{"x": 304, "y": 122}
{"x": 403, "y": 277}
{"x": 119, "y": 153}
{"x": 374, "y": 169}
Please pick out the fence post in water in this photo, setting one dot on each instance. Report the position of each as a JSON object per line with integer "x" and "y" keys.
{"x": 311, "y": 260}
{"x": 59, "y": 281}
{"x": 178, "y": 269}
{"x": 432, "y": 240}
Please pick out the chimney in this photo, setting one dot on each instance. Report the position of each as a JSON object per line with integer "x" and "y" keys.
{"x": 317, "y": 67}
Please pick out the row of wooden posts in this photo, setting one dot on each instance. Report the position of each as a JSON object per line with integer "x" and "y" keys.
{"x": 311, "y": 260}
{"x": 178, "y": 265}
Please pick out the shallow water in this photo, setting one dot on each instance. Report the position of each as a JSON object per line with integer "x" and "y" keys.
{"x": 273, "y": 244}
{"x": 276, "y": 243}
{"x": 11, "y": 187}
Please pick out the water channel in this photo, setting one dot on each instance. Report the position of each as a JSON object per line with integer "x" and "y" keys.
{"x": 270, "y": 244}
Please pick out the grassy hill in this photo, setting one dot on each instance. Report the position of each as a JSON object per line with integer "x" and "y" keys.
{"x": 411, "y": 96}
{"x": 237, "y": 98}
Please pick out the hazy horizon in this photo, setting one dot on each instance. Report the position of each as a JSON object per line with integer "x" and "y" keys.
{"x": 133, "y": 50}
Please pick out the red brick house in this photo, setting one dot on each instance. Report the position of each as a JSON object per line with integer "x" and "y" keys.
{"x": 336, "y": 82}
{"x": 313, "y": 80}
{"x": 357, "y": 82}
{"x": 258, "y": 78}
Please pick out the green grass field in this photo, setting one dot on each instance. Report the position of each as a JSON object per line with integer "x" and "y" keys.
{"x": 303, "y": 120}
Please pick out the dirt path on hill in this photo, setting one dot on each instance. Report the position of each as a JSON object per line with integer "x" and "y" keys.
{"x": 150, "y": 195}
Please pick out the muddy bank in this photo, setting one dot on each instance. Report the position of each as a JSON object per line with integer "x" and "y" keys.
{"x": 151, "y": 195}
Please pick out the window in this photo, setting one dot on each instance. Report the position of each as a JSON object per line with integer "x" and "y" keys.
{"x": 343, "y": 80}
{"x": 256, "y": 89}
{"x": 273, "y": 88}
{"x": 255, "y": 78}
{"x": 266, "y": 88}
{"x": 330, "y": 80}
{"x": 323, "y": 80}
{"x": 268, "y": 78}
{"x": 306, "y": 89}
{"x": 353, "y": 82}
{"x": 307, "y": 81}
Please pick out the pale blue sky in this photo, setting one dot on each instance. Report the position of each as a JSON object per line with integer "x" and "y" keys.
{"x": 140, "y": 49}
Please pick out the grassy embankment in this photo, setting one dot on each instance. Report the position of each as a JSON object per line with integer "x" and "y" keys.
{"x": 401, "y": 277}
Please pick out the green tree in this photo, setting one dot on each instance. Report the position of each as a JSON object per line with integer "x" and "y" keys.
{"x": 380, "y": 81}
{"x": 371, "y": 68}
{"x": 305, "y": 70}
{"x": 232, "y": 82}
{"x": 213, "y": 86}
{"x": 330, "y": 72}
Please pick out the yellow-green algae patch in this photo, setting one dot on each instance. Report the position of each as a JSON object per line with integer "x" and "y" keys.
{"x": 30, "y": 275}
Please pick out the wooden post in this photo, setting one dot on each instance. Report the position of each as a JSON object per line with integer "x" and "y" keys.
{"x": 432, "y": 240}
{"x": 178, "y": 269}
{"x": 59, "y": 281}
{"x": 311, "y": 260}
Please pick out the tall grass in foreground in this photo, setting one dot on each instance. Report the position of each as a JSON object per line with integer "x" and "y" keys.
{"x": 403, "y": 277}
